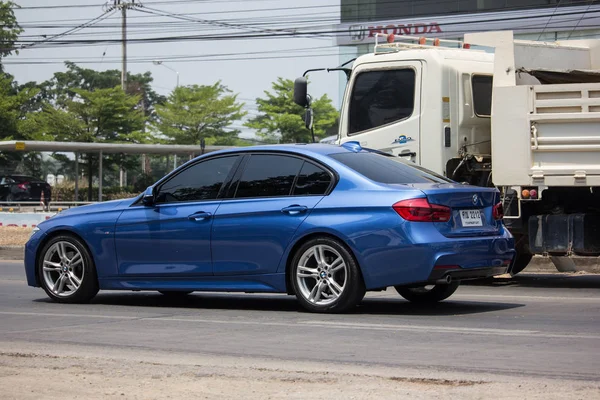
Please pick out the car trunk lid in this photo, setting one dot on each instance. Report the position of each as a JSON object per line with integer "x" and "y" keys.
{"x": 472, "y": 208}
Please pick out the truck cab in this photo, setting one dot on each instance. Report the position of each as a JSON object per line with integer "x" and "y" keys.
{"x": 425, "y": 104}
{"x": 523, "y": 116}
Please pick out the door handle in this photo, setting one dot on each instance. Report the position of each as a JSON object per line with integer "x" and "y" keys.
{"x": 294, "y": 209}
{"x": 199, "y": 216}
{"x": 408, "y": 153}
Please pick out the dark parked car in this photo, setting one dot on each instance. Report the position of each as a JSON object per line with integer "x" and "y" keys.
{"x": 24, "y": 188}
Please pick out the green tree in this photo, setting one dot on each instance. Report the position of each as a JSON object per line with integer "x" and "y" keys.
{"x": 9, "y": 30}
{"x": 14, "y": 121}
{"x": 193, "y": 113}
{"x": 64, "y": 85}
{"x": 101, "y": 115}
{"x": 282, "y": 120}
{"x": 13, "y": 109}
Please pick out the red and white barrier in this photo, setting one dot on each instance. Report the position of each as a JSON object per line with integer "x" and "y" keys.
{"x": 23, "y": 220}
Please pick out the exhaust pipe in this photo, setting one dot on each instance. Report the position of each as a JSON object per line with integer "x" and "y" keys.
{"x": 444, "y": 281}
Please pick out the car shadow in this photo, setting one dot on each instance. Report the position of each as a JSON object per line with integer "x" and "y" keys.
{"x": 285, "y": 303}
{"x": 548, "y": 281}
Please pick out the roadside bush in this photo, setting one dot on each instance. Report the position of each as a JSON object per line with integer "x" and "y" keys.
{"x": 66, "y": 192}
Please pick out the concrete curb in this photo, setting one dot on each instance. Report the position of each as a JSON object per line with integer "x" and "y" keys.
{"x": 11, "y": 252}
{"x": 538, "y": 264}
{"x": 579, "y": 264}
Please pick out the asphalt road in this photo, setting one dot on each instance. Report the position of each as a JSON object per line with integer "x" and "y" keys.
{"x": 544, "y": 326}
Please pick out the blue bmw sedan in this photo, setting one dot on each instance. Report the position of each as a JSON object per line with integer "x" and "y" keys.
{"x": 324, "y": 223}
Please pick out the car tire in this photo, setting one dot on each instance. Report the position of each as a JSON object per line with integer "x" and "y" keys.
{"x": 424, "y": 295}
{"x": 174, "y": 293}
{"x": 66, "y": 270}
{"x": 325, "y": 276}
{"x": 524, "y": 255}
{"x": 9, "y": 199}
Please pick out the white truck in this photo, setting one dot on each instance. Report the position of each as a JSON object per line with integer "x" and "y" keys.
{"x": 523, "y": 116}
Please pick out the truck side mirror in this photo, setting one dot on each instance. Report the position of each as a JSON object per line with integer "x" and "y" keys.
{"x": 308, "y": 118}
{"x": 301, "y": 92}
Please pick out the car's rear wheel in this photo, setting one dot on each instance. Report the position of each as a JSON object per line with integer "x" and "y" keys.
{"x": 66, "y": 270}
{"x": 174, "y": 293}
{"x": 325, "y": 276}
{"x": 428, "y": 293}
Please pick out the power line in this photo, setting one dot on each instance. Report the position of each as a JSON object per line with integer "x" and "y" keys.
{"x": 174, "y": 2}
{"x": 73, "y": 30}
{"x": 214, "y": 22}
{"x": 298, "y": 32}
{"x": 183, "y": 56}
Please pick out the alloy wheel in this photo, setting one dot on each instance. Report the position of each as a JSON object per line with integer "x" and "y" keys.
{"x": 321, "y": 274}
{"x": 63, "y": 269}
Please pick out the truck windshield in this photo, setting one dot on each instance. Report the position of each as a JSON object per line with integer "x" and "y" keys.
{"x": 482, "y": 94}
{"x": 388, "y": 169}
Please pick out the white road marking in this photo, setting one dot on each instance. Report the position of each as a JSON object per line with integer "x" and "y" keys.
{"x": 331, "y": 325}
{"x": 519, "y": 297}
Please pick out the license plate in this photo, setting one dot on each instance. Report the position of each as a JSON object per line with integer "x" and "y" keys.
{"x": 470, "y": 218}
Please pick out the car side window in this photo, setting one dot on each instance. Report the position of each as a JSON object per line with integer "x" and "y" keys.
{"x": 268, "y": 175}
{"x": 312, "y": 180}
{"x": 199, "y": 182}
{"x": 380, "y": 98}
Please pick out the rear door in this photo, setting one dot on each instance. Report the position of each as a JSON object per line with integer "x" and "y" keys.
{"x": 268, "y": 201}
{"x": 384, "y": 109}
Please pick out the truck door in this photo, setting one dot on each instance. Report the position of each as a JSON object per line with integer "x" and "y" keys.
{"x": 382, "y": 108}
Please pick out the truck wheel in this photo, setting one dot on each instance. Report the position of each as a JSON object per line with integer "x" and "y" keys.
{"x": 524, "y": 256}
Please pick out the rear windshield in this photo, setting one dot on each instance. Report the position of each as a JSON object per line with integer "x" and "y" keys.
{"x": 388, "y": 169}
{"x": 22, "y": 178}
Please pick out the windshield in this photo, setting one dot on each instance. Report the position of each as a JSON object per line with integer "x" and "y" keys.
{"x": 389, "y": 169}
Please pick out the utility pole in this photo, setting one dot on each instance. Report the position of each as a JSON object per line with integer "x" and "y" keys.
{"x": 123, "y": 5}
{"x": 124, "y": 47}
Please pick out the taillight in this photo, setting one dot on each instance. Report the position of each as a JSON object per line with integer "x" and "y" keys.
{"x": 419, "y": 210}
{"x": 498, "y": 212}
{"x": 23, "y": 185}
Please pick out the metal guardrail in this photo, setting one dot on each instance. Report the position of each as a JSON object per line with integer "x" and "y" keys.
{"x": 18, "y": 206}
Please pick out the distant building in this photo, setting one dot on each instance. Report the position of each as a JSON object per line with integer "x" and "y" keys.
{"x": 546, "y": 20}
{"x": 530, "y": 19}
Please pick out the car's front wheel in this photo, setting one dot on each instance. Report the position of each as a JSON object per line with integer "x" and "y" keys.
{"x": 66, "y": 270}
{"x": 325, "y": 276}
{"x": 428, "y": 293}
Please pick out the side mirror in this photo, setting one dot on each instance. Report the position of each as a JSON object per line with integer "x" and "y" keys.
{"x": 148, "y": 197}
{"x": 301, "y": 92}
{"x": 308, "y": 118}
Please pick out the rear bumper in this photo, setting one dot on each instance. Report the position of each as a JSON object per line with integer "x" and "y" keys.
{"x": 463, "y": 274}
{"x": 405, "y": 264}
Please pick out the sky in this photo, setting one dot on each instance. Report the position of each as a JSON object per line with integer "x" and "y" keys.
{"x": 247, "y": 66}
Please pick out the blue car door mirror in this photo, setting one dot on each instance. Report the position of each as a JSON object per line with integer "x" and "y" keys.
{"x": 148, "y": 198}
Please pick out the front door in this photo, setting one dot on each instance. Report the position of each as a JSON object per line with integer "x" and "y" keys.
{"x": 172, "y": 237}
{"x": 384, "y": 108}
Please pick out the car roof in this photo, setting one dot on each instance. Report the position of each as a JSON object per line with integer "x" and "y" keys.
{"x": 299, "y": 148}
